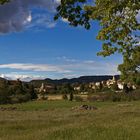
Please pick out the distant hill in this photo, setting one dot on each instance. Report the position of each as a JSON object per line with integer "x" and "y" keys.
{"x": 2, "y": 79}
{"x": 82, "y": 79}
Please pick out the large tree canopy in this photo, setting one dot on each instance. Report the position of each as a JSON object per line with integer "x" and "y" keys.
{"x": 4, "y": 1}
{"x": 120, "y": 28}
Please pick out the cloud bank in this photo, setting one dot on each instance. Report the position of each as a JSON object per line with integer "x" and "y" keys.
{"x": 15, "y": 15}
{"x": 34, "y": 67}
{"x": 69, "y": 69}
{"x": 23, "y": 77}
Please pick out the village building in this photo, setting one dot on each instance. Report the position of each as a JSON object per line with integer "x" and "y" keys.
{"x": 77, "y": 88}
{"x": 110, "y": 82}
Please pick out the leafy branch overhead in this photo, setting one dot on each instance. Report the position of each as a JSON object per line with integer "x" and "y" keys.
{"x": 120, "y": 28}
{"x": 4, "y": 1}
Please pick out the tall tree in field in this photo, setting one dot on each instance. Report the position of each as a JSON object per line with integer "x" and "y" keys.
{"x": 120, "y": 28}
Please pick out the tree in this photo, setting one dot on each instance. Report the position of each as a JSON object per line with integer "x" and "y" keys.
{"x": 131, "y": 67}
{"x": 32, "y": 92}
{"x": 66, "y": 88}
{"x": 71, "y": 96}
{"x": 4, "y": 1}
{"x": 120, "y": 29}
{"x": 114, "y": 87}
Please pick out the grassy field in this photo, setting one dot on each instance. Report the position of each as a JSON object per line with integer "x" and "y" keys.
{"x": 55, "y": 120}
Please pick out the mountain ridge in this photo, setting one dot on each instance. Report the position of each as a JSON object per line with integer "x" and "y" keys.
{"x": 81, "y": 79}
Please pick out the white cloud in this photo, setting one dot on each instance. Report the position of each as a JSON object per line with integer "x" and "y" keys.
{"x": 23, "y": 77}
{"x": 34, "y": 67}
{"x": 42, "y": 21}
{"x": 66, "y": 59}
{"x": 58, "y": 1}
{"x": 87, "y": 67}
{"x": 65, "y": 20}
{"x": 96, "y": 68}
{"x": 29, "y": 18}
{"x": 68, "y": 69}
{"x": 89, "y": 62}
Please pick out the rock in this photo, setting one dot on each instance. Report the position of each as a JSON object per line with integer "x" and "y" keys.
{"x": 84, "y": 107}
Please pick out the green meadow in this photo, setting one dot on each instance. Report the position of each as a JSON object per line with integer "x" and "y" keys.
{"x": 56, "y": 120}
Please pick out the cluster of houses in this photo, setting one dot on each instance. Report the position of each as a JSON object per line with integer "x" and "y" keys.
{"x": 109, "y": 83}
{"x": 44, "y": 88}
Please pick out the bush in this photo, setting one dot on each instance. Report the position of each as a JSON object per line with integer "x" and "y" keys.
{"x": 135, "y": 94}
{"x": 114, "y": 87}
{"x": 19, "y": 98}
{"x": 16, "y": 92}
{"x": 71, "y": 97}
{"x": 116, "y": 97}
{"x": 64, "y": 97}
{"x": 4, "y": 96}
{"x": 4, "y": 99}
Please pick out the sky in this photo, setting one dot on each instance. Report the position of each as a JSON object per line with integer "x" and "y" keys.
{"x": 33, "y": 46}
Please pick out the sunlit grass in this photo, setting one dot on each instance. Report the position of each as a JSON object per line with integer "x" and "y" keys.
{"x": 55, "y": 120}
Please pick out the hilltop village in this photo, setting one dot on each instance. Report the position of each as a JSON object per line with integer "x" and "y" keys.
{"x": 82, "y": 88}
{"x": 115, "y": 85}
{"x": 15, "y": 91}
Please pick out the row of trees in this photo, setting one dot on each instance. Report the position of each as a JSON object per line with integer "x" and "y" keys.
{"x": 16, "y": 92}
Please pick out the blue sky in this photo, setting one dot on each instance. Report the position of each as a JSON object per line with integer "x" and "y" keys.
{"x": 42, "y": 48}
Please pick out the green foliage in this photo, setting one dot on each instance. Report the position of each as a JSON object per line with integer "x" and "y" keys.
{"x": 119, "y": 30}
{"x": 130, "y": 68}
{"x": 65, "y": 89}
{"x": 115, "y": 97}
{"x": 71, "y": 96}
{"x": 16, "y": 93}
{"x": 4, "y": 1}
{"x": 125, "y": 88}
{"x": 138, "y": 80}
{"x": 32, "y": 92}
{"x": 73, "y": 12}
{"x": 65, "y": 97}
{"x": 114, "y": 87}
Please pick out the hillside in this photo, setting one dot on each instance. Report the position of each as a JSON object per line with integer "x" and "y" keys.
{"x": 82, "y": 79}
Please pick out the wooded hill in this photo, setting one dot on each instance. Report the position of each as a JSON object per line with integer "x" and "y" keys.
{"x": 80, "y": 80}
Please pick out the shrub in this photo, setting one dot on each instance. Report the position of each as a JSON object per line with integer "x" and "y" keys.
{"x": 19, "y": 98}
{"x": 4, "y": 99}
{"x": 114, "y": 87}
{"x": 115, "y": 98}
{"x": 64, "y": 97}
{"x": 71, "y": 97}
{"x": 135, "y": 94}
